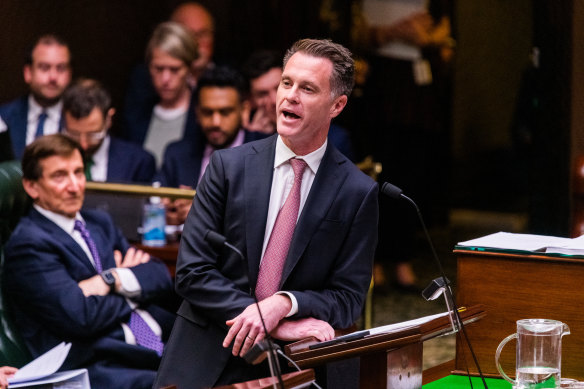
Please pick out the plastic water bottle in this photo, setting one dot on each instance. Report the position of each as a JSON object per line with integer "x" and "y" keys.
{"x": 154, "y": 223}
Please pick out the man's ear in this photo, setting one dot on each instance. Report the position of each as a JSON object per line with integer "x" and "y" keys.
{"x": 27, "y": 73}
{"x": 30, "y": 187}
{"x": 108, "y": 117}
{"x": 338, "y": 105}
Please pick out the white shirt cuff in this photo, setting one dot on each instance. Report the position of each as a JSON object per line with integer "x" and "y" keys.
{"x": 130, "y": 285}
{"x": 294, "y": 308}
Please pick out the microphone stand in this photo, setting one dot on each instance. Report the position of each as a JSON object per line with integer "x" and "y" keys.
{"x": 396, "y": 193}
{"x": 217, "y": 239}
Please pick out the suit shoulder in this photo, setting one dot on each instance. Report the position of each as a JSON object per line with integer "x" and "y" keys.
{"x": 97, "y": 216}
{"x": 256, "y": 143}
{"x": 121, "y": 145}
{"x": 14, "y": 106}
{"x": 345, "y": 163}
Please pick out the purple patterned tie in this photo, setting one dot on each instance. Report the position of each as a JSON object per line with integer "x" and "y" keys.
{"x": 272, "y": 264}
{"x": 79, "y": 226}
{"x": 144, "y": 335}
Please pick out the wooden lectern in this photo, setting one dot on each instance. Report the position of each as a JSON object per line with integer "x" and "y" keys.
{"x": 387, "y": 360}
{"x": 521, "y": 286}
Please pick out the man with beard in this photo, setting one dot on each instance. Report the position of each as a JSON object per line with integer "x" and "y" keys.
{"x": 87, "y": 114}
{"x": 47, "y": 71}
{"x": 220, "y": 111}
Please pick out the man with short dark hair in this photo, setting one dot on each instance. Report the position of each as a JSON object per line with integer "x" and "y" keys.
{"x": 263, "y": 70}
{"x": 47, "y": 71}
{"x": 88, "y": 117}
{"x": 304, "y": 216}
{"x": 70, "y": 276}
{"x": 220, "y": 110}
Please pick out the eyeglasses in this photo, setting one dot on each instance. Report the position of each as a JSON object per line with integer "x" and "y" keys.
{"x": 92, "y": 136}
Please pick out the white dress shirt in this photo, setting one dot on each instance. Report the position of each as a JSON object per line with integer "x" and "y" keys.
{"x": 52, "y": 122}
{"x": 100, "y": 161}
{"x": 130, "y": 287}
{"x": 282, "y": 182}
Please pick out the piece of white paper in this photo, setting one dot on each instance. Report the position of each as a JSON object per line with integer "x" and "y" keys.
{"x": 511, "y": 241}
{"x": 70, "y": 379}
{"x": 404, "y": 324}
{"x": 45, "y": 365}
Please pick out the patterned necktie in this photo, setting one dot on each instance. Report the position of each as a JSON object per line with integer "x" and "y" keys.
{"x": 41, "y": 124}
{"x": 79, "y": 226}
{"x": 272, "y": 264}
{"x": 88, "y": 165}
{"x": 144, "y": 335}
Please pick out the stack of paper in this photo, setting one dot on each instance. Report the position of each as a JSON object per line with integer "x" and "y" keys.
{"x": 528, "y": 242}
{"x": 43, "y": 371}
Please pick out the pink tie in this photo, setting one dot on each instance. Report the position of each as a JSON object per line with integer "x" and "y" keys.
{"x": 274, "y": 258}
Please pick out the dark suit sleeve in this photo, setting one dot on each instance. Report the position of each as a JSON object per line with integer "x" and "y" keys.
{"x": 145, "y": 169}
{"x": 38, "y": 281}
{"x": 339, "y": 298}
{"x": 167, "y": 172}
{"x": 217, "y": 287}
{"x": 153, "y": 275}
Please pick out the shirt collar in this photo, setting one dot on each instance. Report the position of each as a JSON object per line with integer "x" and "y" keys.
{"x": 66, "y": 223}
{"x": 101, "y": 152}
{"x": 34, "y": 109}
{"x": 283, "y": 154}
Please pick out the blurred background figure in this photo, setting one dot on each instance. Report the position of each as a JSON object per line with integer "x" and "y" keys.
{"x": 199, "y": 22}
{"x": 47, "y": 72}
{"x": 169, "y": 56}
{"x": 221, "y": 108}
{"x": 408, "y": 110}
{"x": 88, "y": 113}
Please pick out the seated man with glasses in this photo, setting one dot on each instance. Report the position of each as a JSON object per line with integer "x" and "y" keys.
{"x": 87, "y": 114}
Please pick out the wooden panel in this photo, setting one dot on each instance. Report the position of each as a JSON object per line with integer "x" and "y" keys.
{"x": 514, "y": 287}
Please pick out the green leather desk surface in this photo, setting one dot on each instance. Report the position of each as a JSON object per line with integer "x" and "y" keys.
{"x": 461, "y": 382}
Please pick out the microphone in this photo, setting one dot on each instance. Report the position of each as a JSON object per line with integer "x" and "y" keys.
{"x": 259, "y": 350}
{"x": 396, "y": 193}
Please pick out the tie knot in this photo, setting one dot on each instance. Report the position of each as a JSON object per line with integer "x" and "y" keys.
{"x": 298, "y": 165}
{"x": 43, "y": 115}
{"x": 79, "y": 226}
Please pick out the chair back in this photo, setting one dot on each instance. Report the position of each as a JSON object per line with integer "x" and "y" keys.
{"x": 14, "y": 203}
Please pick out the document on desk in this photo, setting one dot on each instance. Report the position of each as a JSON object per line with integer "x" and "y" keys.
{"x": 512, "y": 241}
{"x": 43, "y": 370}
{"x": 405, "y": 324}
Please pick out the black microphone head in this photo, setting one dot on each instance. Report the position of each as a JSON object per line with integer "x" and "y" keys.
{"x": 215, "y": 238}
{"x": 391, "y": 190}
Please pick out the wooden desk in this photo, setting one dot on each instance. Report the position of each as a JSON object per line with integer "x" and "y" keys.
{"x": 513, "y": 287}
{"x": 387, "y": 360}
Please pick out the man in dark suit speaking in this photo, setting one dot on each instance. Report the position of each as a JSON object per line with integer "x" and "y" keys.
{"x": 304, "y": 216}
{"x": 70, "y": 276}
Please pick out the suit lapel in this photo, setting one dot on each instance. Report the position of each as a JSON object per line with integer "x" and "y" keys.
{"x": 259, "y": 171}
{"x": 324, "y": 190}
{"x": 62, "y": 237}
{"x": 18, "y": 130}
